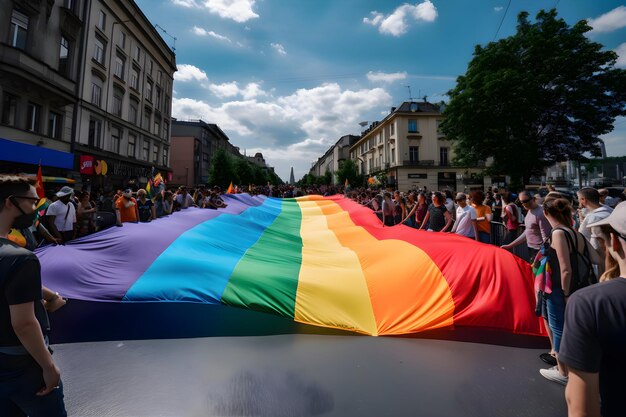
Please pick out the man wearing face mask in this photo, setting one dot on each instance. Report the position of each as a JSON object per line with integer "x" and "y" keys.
{"x": 126, "y": 208}
{"x": 29, "y": 379}
{"x": 62, "y": 216}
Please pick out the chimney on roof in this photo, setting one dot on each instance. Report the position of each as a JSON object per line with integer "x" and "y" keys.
{"x": 393, "y": 109}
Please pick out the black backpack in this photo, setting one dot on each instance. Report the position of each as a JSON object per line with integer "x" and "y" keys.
{"x": 583, "y": 274}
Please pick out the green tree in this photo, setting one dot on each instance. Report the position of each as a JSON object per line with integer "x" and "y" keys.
{"x": 221, "y": 171}
{"x": 543, "y": 95}
{"x": 244, "y": 172}
{"x": 348, "y": 170}
{"x": 327, "y": 178}
{"x": 259, "y": 175}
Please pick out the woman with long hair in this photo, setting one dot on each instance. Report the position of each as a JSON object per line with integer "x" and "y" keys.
{"x": 400, "y": 209}
{"x": 510, "y": 218}
{"x": 411, "y": 204}
{"x": 438, "y": 217}
{"x": 560, "y": 248}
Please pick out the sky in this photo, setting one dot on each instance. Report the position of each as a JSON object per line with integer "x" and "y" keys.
{"x": 288, "y": 78}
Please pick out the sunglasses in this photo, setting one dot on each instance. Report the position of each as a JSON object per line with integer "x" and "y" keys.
{"x": 36, "y": 200}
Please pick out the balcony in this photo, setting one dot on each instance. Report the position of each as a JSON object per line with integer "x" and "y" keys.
{"x": 421, "y": 163}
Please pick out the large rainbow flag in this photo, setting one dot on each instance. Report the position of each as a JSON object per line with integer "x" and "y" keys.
{"x": 325, "y": 261}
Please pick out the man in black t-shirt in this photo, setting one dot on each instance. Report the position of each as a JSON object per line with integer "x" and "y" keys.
{"x": 29, "y": 379}
{"x": 593, "y": 345}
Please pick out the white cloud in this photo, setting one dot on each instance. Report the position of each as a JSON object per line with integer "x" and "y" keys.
{"x": 498, "y": 8}
{"x": 396, "y": 23}
{"x": 203, "y": 32}
{"x": 279, "y": 48}
{"x": 292, "y": 130}
{"x": 189, "y": 73}
{"x": 610, "y": 21}
{"x": 231, "y": 89}
{"x": 185, "y": 3}
{"x": 384, "y": 77}
{"x": 621, "y": 59}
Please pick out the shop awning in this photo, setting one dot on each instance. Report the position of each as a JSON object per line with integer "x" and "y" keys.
{"x": 12, "y": 151}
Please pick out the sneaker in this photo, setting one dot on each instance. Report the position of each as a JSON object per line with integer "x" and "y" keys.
{"x": 553, "y": 374}
{"x": 549, "y": 359}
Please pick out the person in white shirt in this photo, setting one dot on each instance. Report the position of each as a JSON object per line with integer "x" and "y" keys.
{"x": 62, "y": 216}
{"x": 589, "y": 198}
{"x": 184, "y": 198}
{"x": 466, "y": 223}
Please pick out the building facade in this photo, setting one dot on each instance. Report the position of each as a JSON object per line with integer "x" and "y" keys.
{"x": 125, "y": 97}
{"x": 332, "y": 160}
{"x": 39, "y": 45}
{"x": 86, "y": 89}
{"x": 194, "y": 142}
{"x": 409, "y": 149}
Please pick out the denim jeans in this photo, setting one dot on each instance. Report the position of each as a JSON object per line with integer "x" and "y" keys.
{"x": 484, "y": 237}
{"x": 555, "y": 303}
{"x": 20, "y": 379}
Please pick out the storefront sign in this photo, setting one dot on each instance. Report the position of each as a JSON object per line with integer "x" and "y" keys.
{"x": 421, "y": 176}
{"x": 130, "y": 171}
{"x": 87, "y": 164}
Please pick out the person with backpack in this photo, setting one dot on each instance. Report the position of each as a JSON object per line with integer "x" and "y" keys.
{"x": 570, "y": 258}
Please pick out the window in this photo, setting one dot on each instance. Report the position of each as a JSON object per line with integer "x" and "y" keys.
{"x": 146, "y": 119}
{"x": 155, "y": 150}
{"x": 157, "y": 127}
{"x": 443, "y": 156}
{"x": 150, "y": 64}
{"x": 55, "y": 125}
{"x": 115, "y": 140}
{"x": 157, "y": 103}
{"x": 413, "y": 126}
{"x": 70, "y": 4}
{"x": 19, "y": 30}
{"x": 102, "y": 21}
{"x": 134, "y": 78}
{"x": 165, "y": 156}
{"x": 438, "y": 124}
{"x": 132, "y": 112}
{"x": 205, "y": 158}
{"x": 132, "y": 142}
{"x": 149, "y": 91}
{"x": 98, "y": 51}
{"x": 392, "y": 128}
{"x": 393, "y": 155}
{"x": 122, "y": 40}
{"x": 96, "y": 93}
{"x": 119, "y": 67}
{"x": 414, "y": 154}
{"x": 159, "y": 77}
{"x": 64, "y": 56}
{"x": 118, "y": 96}
{"x": 146, "y": 150}
{"x": 137, "y": 53}
{"x": 9, "y": 109}
{"x": 95, "y": 133}
{"x": 33, "y": 114}
{"x": 166, "y": 131}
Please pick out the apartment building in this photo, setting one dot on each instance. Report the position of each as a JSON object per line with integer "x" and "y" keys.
{"x": 125, "y": 96}
{"x": 408, "y": 147}
{"x": 39, "y": 67}
{"x": 333, "y": 158}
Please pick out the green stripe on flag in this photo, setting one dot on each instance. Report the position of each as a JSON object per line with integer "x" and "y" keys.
{"x": 266, "y": 277}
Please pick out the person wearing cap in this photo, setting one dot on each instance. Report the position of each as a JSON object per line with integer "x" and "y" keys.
{"x": 61, "y": 216}
{"x": 465, "y": 224}
{"x": 594, "y": 337}
{"x": 126, "y": 208}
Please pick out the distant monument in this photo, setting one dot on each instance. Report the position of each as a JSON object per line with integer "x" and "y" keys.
{"x": 292, "y": 180}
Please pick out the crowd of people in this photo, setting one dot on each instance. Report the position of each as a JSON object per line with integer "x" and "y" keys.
{"x": 586, "y": 321}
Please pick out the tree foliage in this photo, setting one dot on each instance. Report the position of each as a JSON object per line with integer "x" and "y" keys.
{"x": 222, "y": 171}
{"x": 348, "y": 170}
{"x": 541, "y": 96}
